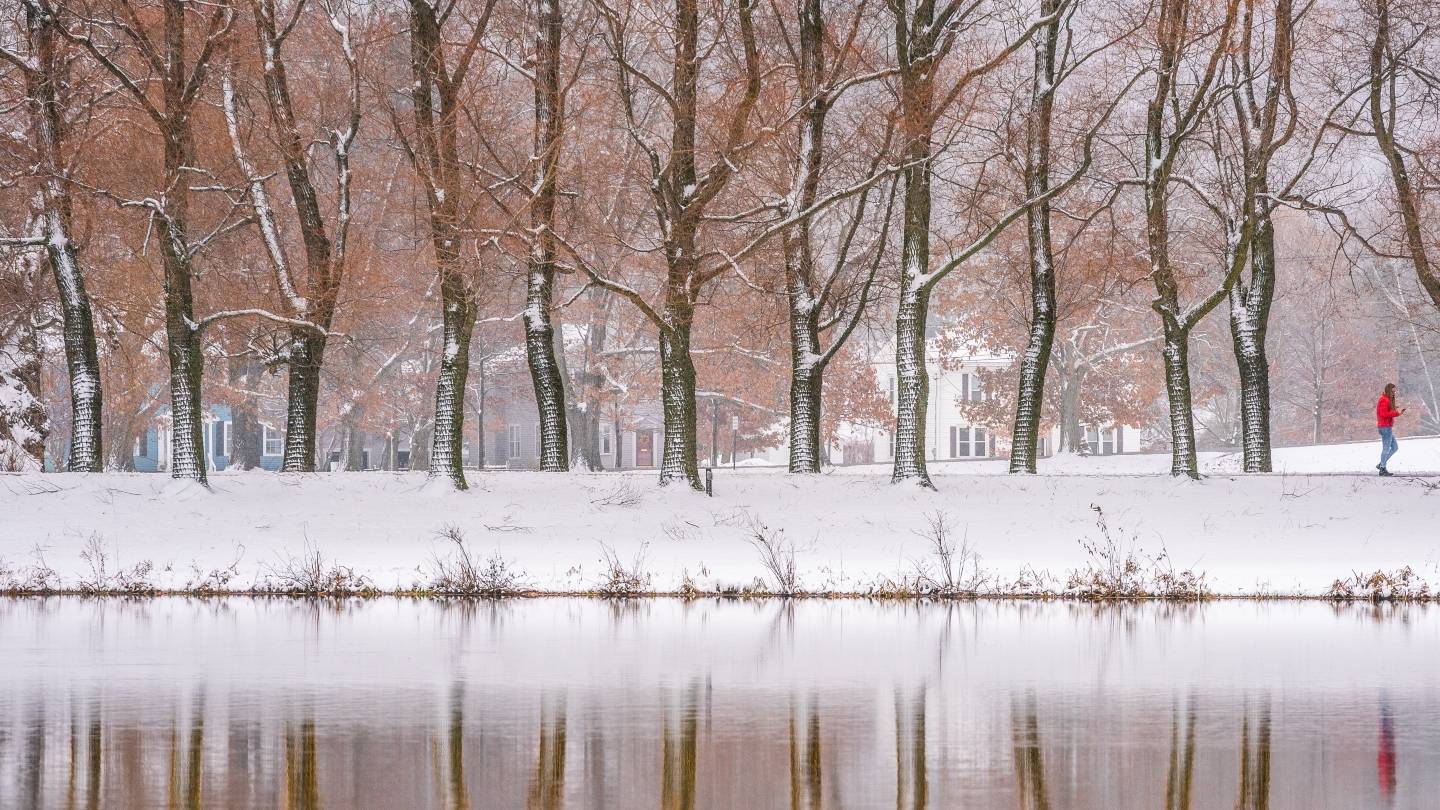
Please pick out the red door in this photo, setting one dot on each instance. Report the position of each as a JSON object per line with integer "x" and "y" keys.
{"x": 645, "y": 449}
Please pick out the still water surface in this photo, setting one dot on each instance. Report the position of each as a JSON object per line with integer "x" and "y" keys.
{"x": 550, "y": 703}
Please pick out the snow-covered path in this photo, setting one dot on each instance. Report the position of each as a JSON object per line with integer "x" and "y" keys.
{"x": 1285, "y": 533}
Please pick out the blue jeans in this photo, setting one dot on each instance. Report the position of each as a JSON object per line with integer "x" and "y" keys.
{"x": 1388, "y": 445}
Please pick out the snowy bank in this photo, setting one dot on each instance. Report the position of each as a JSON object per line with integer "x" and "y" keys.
{"x": 1281, "y": 534}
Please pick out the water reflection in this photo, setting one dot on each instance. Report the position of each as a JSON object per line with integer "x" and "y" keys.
{"x": 571, "y": 704}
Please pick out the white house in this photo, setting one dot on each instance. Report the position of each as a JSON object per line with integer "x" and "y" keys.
{"x": 949, "y": 435}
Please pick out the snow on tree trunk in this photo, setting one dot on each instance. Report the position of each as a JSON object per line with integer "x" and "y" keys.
{"x": 303, "y": 364}
{"x": 1024, "y": 440}
{"x": 806, "y": 381}
{"x": 540, "y": 338}
{"x": 1176, "y": 352}
{"x": 678, "y": 461}
{"x": 807, "y": 366}
{"x": 447, "y": 442}
{"x": 1249, "y": 318}
{"x": 912, "y": 383}
{"x": 183, "y": 347}
{"x": 24, "y": 424}
{"x": 81, "y": 357}
{"x": 545, "y": 374}
{"x": 912, "y": 387}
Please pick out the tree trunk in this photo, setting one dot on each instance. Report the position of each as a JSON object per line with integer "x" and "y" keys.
{"x": 677, "y": 394}
{"x": 1176, "y": 352}
{"x": 1249, "y": 319}
{"x": 912, "y": 386}
{"x": 81, "y": 357}
{"x": 420, "y": 446}
{"x": 1035, "y": 361}
{"x": 447, "y": 444}
{"x": 540, "y": 347}
{"x": 911, "y": 378}
{"x": 1072, "y": 434}
{"x": 1407, "y": 198}
{"x": 307, "y": 352}
{"x": 246, "y": 434}
{"x": 352, "y": 442}
{"x": 806, "y": 387}
{"x": 182, "y": 337}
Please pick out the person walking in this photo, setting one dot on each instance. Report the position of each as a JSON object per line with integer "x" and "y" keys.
{"x": 1385, "y": 414}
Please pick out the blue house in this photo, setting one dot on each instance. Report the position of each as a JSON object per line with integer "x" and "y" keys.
{"x": 152, "y": 450}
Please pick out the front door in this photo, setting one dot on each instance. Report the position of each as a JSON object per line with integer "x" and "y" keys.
{"x": 644, "y": 449}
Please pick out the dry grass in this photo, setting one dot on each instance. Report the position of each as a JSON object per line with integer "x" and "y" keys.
{"x": 312, "y": 574}
{"x": 1117, "y": 568}
{"x": 953, "y": 569}
{"x": 777, "y": 554}
{"x": 620, "y": 580}
{"x": 1400, "y": 585}
{"x": 462, "y": 574}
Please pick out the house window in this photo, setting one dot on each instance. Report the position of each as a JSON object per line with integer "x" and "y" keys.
{"x": 1092, "y": 439}
{"x": 1043, "y": 446}
{"x": 892, "y": 389}
{"x": 139, "y": 447}
{"x": 514, "y": 441}
{"x": 966, "y": 442}
{"x": 970, "y": 388}
{"x": 222, "y": 438}
{"x": 959, "y": 441}
{"x": 274, "y": 441}
{"x": 1107, "y": 442}
{"x": 607, "y": 440}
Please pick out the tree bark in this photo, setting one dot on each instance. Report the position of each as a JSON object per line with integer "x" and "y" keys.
{"x": 915, "y": 38}
{"x": 447, "y": 456}
{"x": 1176, "y": 353}
{"x": 81, "y": 356}
{"x": 1035, "y": 361}
{"x": 1249, "y": 319}
{"x": 540, "y": 339}
{"x": 912, "y": 380}
{"x": 677, "y": 394}
{"x": 436, "y": 99}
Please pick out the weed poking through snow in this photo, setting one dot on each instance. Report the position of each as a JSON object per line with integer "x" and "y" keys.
{"x": 621, "y": 580}
{"x": 462, "y": 574}
{"x": 311, "y": 574}
{"x": 777, "y": 554}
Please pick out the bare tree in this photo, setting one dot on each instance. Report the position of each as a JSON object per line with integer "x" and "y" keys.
{"x": 52, "y": 104}
{"x": 681, "y": 193}
{"x": 927, "y": 32}
{"x": 1265, "y": 113}
{"x": 313, "y": 301}
{"x": 1184, "y": 98}
{"x": 540, "y": 337}
{"x": 147, "y": 64}
{"x": 818, "y": 298}
{"x": 1398, "y": 72}
{"x": 436, "y": 97}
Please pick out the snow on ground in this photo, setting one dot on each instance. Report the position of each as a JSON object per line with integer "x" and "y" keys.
{"x": 1292, "y": 533}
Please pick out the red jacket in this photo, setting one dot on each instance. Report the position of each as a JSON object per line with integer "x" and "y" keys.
{"x": 1385, "y": 413}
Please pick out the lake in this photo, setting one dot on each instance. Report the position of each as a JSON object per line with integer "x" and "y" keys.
{"x": 574, "y": 703}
